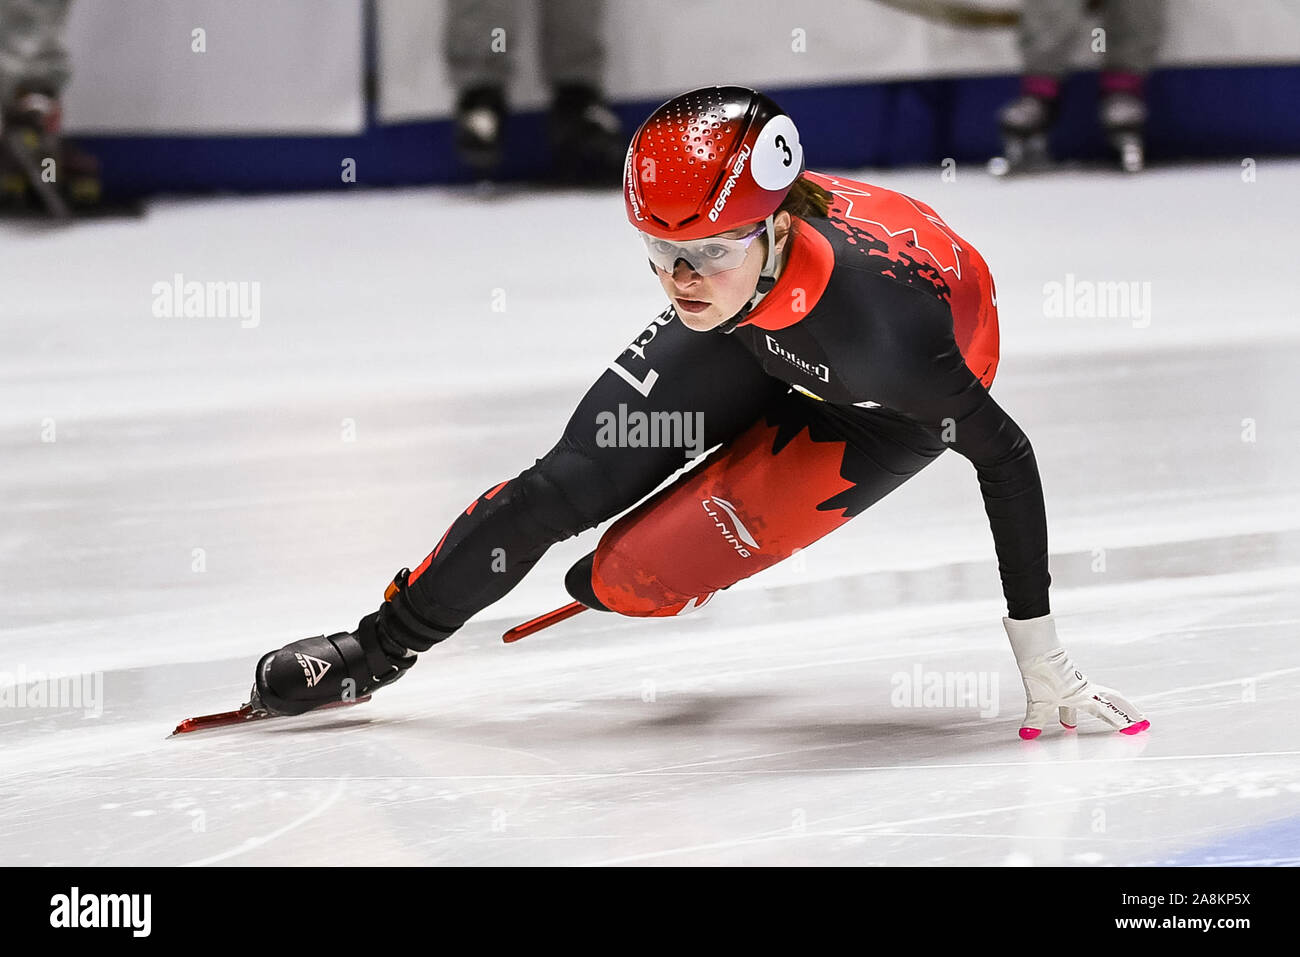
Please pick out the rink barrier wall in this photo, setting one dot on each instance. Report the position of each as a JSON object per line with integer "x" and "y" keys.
{"x": 1196, "y": 113}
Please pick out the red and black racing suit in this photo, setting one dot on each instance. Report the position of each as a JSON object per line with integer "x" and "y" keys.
{"x": 870, "y": 356}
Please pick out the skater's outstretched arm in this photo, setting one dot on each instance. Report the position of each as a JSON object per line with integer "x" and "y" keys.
{"x": 920, "y": 371}
{"x": 934, "y": 385}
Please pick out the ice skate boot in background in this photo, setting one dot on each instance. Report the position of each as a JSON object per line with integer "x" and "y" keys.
{"x": 39, "y": 169}
{"x": 480, "y": 117}
{"x": 1025, "y": 123}
{"x": 588, "y": 145}
{"x": 1123, "y": 116}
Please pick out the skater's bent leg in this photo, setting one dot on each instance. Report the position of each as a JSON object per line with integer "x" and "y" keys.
{"x": 803, "y": 470}
{"x": 669, "y": 397}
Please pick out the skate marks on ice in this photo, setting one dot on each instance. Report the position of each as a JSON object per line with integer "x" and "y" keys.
{"x": 704, "y": 741}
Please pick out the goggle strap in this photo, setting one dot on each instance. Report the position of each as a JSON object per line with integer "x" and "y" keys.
{"x": 766, "y": 278}
{"x": 769, "y": 267}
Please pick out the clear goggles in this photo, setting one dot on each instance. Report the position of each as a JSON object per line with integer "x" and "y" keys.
{"x": 707, "y": 257}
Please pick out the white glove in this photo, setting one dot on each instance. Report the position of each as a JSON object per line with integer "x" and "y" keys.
{"x": 1052, "y": 681}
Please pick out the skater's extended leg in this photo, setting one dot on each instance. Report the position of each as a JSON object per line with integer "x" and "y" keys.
{"x": 670, "y": 396}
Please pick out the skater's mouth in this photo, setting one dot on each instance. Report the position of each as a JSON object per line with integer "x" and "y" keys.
{"x": 692, "y": 305}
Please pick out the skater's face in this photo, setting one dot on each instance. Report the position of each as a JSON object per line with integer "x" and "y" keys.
{"x": 705, "y": 302}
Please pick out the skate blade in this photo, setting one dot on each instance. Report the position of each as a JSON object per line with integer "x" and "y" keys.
{"x": 543, "y": 621}
{"x": 224, "y": 719}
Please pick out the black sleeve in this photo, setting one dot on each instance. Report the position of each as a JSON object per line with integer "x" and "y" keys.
{"x": 932, "y": 383}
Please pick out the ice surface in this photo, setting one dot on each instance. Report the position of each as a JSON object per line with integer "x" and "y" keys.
{"x": 759, "y": 730}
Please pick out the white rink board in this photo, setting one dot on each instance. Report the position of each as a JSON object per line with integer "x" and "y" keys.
{"x": 286, "y": 66}
{"x": 660, "y": 49}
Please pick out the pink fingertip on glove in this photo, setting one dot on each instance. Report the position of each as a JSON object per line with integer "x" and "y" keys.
{"x": 1028, "y": 734}
{"x": 1140, "y": 726}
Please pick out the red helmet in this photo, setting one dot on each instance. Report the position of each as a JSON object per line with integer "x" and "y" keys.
{"x": 708, "y": 161}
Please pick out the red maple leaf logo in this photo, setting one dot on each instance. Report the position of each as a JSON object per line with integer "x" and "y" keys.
{"x": 903, "y": 222}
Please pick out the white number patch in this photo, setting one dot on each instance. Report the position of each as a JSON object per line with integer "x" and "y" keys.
{"x": 778, "y": 156}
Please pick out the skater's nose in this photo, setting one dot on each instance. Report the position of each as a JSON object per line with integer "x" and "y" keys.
{"x": 684, "y": 273}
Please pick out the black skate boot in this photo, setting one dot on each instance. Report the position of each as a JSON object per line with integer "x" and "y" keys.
{"x": 1025, "y": 123}
{"x": 14, "y": 189}
{"x": 587, "y": 142}
{"x": 480, "y": 115}
{"x": 39, "y": 168}
{"x": 1123, "y": 116}
{"x": 345, "y": 666}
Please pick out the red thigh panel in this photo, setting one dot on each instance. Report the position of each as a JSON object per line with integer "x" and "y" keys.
{"x": 742, "y": 511}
